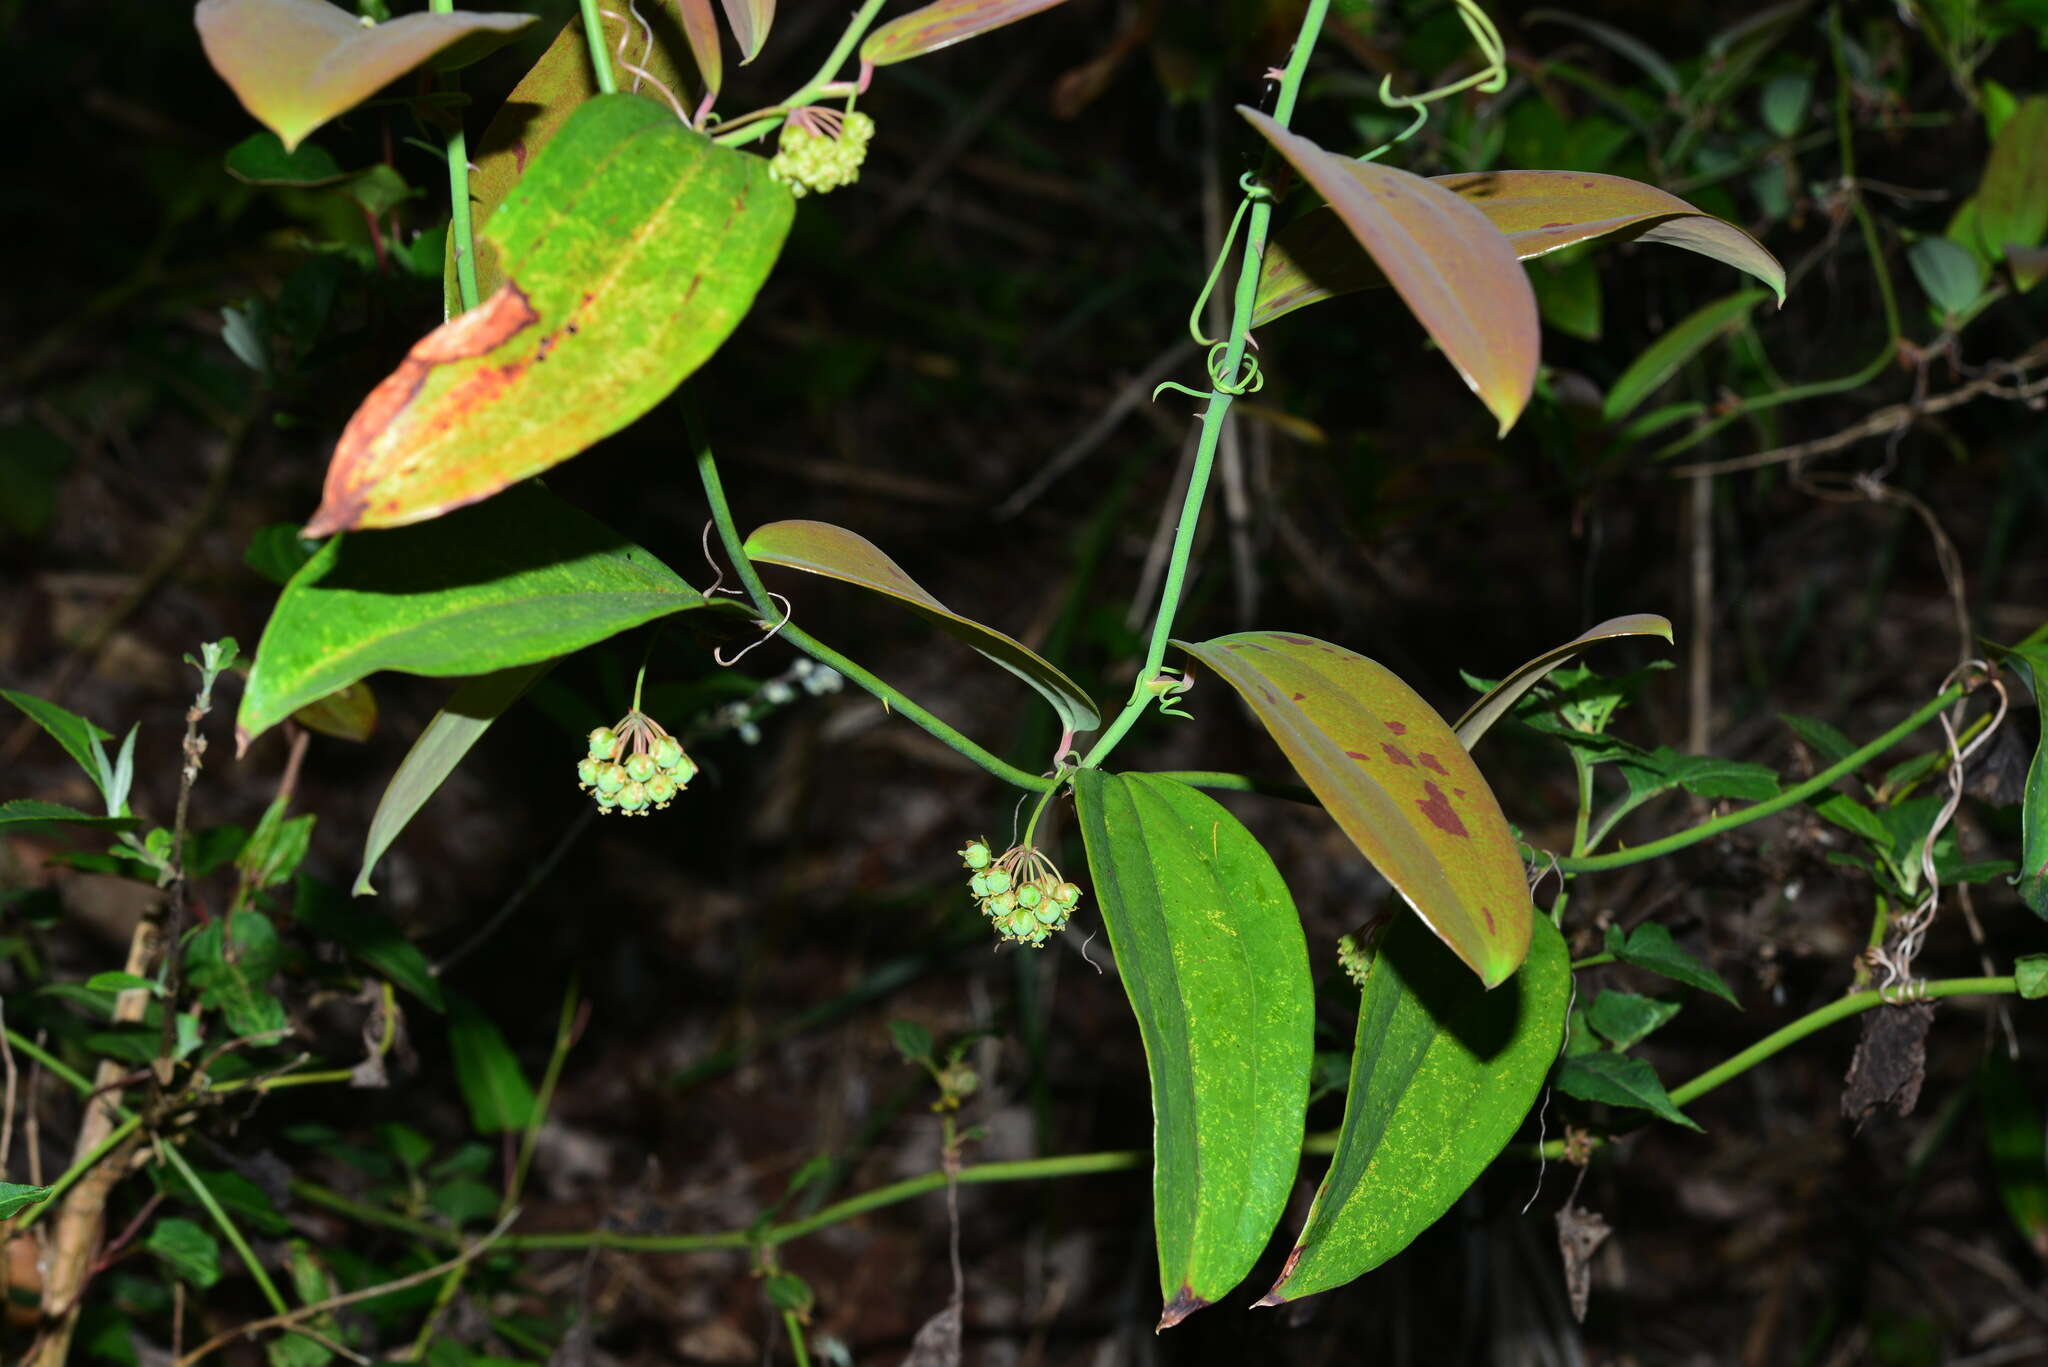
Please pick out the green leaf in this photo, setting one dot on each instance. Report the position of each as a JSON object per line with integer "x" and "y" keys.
{"x": 295, "y": 64}
{"x": 113, "y": 980}
{"x": 277, "y": 552}
{"x": 237, "y": 982}
{"x": 1211, "y": 952}
{"x": 2012, "y": 199}
{"x": 1442, "y": 1074}
{"x": 238, "y": 1196}
{"x": 631, "y": 248}
{"x": 311, "y": 1283}
{"x": 2014, "y": 1133}
{"x": 16, "y": 1197}
{"x": 369, "y": 935}
{"x": 2030, "y": 974}
{"x": 496, "y": 1090}
{"x": 1455, "y": 271}
{"x": 1952, "y": 277}
{"x": 821, "y": 548}
{"x": 520, "y": 579}
{"x": 1830, "y": 744}
{"x": 1495, "y": 703}
{"x": 1618, "y": 1080}
{"x": 750, "y": 20}
{"x": 1315, "y": 257}
{"x": 1702, "y": 775}
{"x": 1396, "y": 780}
{"x": 1568, "y": 296}
{"x": 942, "y": 24}
{"x": 1626, "y": 1019}
{"x": 71, "y": 731}
{"x": 1666, "y": 356}
{"x": 261, "y": 159}
{"x": 1784, "y": 102}
{"x": 913, "y": 1041}
{"x": 276, "y": 848}
{"x": 1852, "y": 816}
{"x": 440, "y": 747}
{"x": 2030, "y": 658}
{"x": 1652, "y": 949}
{"x": 186, "y": 1249}
{"x": 30, "y": 812}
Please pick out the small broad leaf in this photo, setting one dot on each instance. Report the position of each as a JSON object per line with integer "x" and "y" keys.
{"x": 1829, "y": 743}
{"x": 1496, "y": 702}
{"x": 1211, "y": 952}
{"x": 822, "y": 548}
{"x": 1618, "y": 1080}
{"x": 1455, "y": 271}
{"x": 1666, "y": 356}
{"x": 1625, "y": 1019}
{"x": 187, "y": 1249}
{"x": 30, "y": 812}
{"x": 1652, "y": 949}
{"x": 498, "y": 1094}
{"x": 1442, "y": 1073}
{"x": 68, "y": 729}
{"x": 912, "y": 1040}
{"x": 1852, "y": 816}
{"x": 1700, "y": 775}
{"x": 942, "y": 24}
{"x": 750, "y": 20}
{"x": 295, "y": 64}
{"x": 237, "y": 982}
{"x": 631, "y": 249}
{"x": 519, "y": 579}
{"x": 261, "y": 159}
{"x": 2030, "y": 976}
{"x": 16, "y": 1197}
{"x": 1952, "y": 276}
{"x": 2012, "y": 199}
{"x": 1396, "y": 780}
{"x": 440, "y": 747}
{"x": 1315, "y": 257}
{"x": 369, "y": 935}
{"x": 348, "y": 713}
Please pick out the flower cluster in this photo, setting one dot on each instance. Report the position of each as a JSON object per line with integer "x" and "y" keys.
{"x": 821, "y": 150}
{"x": 1020, "y": 892}
{"x": 634, "y": 766}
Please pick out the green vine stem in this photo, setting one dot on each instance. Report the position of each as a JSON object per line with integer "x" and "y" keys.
{"x": 1224, "y": 379}
{"x": 459, "y": 227}
{"x": 228, "y": 1229}
{"x": 1791, "y": 797}
{"x": 767, "y": 610}
{"x": 113, "y": 1140}
{"x": 600, "y": 57}
{"x": 749, "y": 127}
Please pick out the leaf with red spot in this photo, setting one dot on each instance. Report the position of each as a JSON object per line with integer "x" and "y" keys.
{"x": 1395, "y": 778}
{"x": 822, "y": 548}
{"x": 1481, "y": 715}
{"x": 943, "y": 24}
{"x": 1456, "y": 272}
{"x": 631, "y": 248}
{"x": 1315, "y": 257}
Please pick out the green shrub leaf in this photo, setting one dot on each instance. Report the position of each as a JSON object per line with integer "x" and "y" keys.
{"x": 1619, "y": 1081}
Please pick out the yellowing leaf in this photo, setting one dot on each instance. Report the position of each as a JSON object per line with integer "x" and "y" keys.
{"x": 295, "y": 64}
{"x": 1454, "y": 270}
{"x": 943, "y": 24}
{"x": 1315, "y": 257}
{"x": 631, "y": 248}
{"x": 822, "y": 548}
{"x": 1396, "y": 780}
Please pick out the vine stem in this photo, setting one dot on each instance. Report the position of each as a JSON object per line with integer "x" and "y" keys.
{"x": 766, "y": 609}
{"x": 1257, "y": 223}
{"x": 1791, "y": 797}
{"x": 758, "y": 126}
{"x": 459, "y": 226}
{"x": 600, "y": 57}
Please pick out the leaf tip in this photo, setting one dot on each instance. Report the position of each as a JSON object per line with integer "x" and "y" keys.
{"x": 242, "y": 739}
{"x": 1184, "y": 1303}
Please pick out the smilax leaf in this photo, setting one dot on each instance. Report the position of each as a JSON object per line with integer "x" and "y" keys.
{"x": 295, "y": 64}
{"x": 1481, "y": 715}
{"x": 943, "y": 24}
{"x": 1397, "y": 782}
{"x": 631, "y": 248}
{"x": 1454, "y": 270}
{"x": 822, "y": 548}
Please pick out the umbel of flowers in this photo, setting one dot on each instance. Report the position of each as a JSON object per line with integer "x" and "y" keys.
{"x": 821, "y": 150}
{"x": 1020, "y": 891}
{"x": 634, "y": 766}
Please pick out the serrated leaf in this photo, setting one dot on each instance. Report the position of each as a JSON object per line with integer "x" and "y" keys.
{"x": 1442, "y": 1073}
{"x": 495, "y": 1089}
{"x": 1830, "y": 744}
{"x": 1852, "y": 816}
{"x": 520, "y": 579}
{"x": 631, "y": 248}
{"x": 261, "y": 159}
{"x": 1625, "y": 1019}
{"x": 1397, "y": 782}
{"x": 942, "y": 24}
{"x": 459, "y": 725}
{"x": 1652, "y": 949}
{"x": 31, "y": 812}
{"x": 1316, "y": 258}
{"x": 237, "y": 983}
{"x": 186, "y": 1249}
{"x": 1211, "y": 951}
{"x": 295, "y": 64}
{"x": 1669, "y": 354}
{"x": 2012, "y": 199}
{"x": 1496, "y": 702}
{"x": 1618, "y": 1080}
{"x": 750, "y": 21}
{"x": 68, "y": 729}
{"x": 1455, "y": 271}
{"x": 16, "y": 1197}
{"x": 821, "y": 548}
{"x": 369, "y": 935}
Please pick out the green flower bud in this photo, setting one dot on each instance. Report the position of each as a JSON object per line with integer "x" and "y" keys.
{"x": 586, "y": 773}
{"x": 604, "y": 743}
{"x": 1023, "y": 925}
{"x": 976, "y": 855}
{"x": 661, "y": 788}
{"x": 639, "y": 768}
{"x": 978, "y": 885}
{"x": 605, "y": 801}
{"x": 611, "y": 778}
{"x": 1051, "y": 915}
{"x": 1003, "y": 903}
{"x": 667, "y": 754}
{"x": 998, "y": 880}
{"x": 633, "y": 797}
{"x": 1029, "y": 895}
{"x": 1066, "y": 894}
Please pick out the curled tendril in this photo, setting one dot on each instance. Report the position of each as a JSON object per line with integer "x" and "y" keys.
{"x": 1215, "y": 274}
{"x": 772, "y": 632}
{"x": 1490, "y": 79}
{"x": 638, "y": 70}
{"x": 1167, "y": 686}
{"x": 1251, "y": 382}
{"x": 1177, "y": 387}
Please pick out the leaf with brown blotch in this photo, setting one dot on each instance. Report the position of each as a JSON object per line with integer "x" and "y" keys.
{"x": 1455, "y": 270}
{"x": 295, "y": 64}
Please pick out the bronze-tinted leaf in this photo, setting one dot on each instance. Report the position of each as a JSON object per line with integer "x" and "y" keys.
{"x": 1395, "y": 778}
{"x": 1454, "y": 270}
{"x": 1316, "y": 258}
{"x": 750, "y": 20}
{"x": 700, "y": 30}
{"x": 943, "y": 24}
{"x": 295, "y": 64}
{"x": 822, "y": 548}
